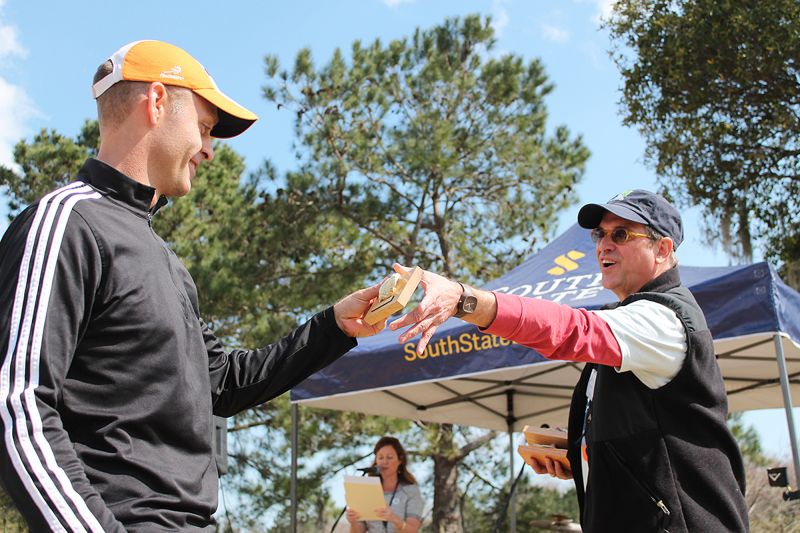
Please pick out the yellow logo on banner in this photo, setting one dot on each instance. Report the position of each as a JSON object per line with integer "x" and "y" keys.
{"x": 463, "y": 344}
{"x": 566, "y": 262}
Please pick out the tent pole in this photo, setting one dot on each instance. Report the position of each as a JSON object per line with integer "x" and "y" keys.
{"x": 787, "y": 403}
{"x": 293, "y": 481}
{"x": 512, "y": 508}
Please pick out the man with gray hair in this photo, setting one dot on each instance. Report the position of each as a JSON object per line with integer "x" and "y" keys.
{"x": 648, "y": 444}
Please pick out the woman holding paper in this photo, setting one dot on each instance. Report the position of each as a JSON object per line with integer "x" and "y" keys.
{"x": 403, "y": 511}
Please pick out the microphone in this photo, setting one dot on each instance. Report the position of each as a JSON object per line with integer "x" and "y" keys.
{"x": 371, "y": 470}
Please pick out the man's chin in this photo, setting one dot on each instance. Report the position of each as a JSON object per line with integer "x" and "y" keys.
{"x": 607, "y": 283}
{"x": 179, "y": 190}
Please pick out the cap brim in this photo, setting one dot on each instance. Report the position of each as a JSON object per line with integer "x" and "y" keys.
{"x": 590, "y": 215}
{"x": 233, "y": 118}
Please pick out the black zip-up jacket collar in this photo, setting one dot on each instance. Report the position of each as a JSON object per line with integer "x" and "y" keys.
{"x": 119, "y": 186}
{"x": 662, "y": 283}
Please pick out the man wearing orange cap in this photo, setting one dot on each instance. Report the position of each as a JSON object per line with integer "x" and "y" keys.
{"x": 109, "y": 376}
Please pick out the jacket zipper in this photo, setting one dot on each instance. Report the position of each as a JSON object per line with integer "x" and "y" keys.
{"x": 187, "y": 308}
{"x": 659, "y": 502}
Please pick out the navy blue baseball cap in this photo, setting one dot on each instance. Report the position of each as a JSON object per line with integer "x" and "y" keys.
{"x": 640, "y": 206}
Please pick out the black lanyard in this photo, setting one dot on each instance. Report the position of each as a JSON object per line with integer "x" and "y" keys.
{"x": 385, "y": 523}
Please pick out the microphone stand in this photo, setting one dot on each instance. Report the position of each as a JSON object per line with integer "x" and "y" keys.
{"x": 502, "y": 515}
{"x": 339, "y": 517}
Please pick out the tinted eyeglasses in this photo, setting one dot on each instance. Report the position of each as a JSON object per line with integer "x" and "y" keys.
{"x": 618, "y": 235}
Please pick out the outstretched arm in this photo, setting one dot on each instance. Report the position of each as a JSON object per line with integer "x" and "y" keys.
{"x": 244, "y": 378}
{"x": 555, "y": 330}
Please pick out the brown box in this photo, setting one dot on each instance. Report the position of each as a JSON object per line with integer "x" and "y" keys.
{"x": 381, "y": 309}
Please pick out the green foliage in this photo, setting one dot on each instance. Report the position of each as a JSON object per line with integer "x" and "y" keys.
{"x": 10, "y": 519}
{"x": 434, "y": 151}
{"x": 50, "y": 161}
{"x": 432, "y": 147}
{"x": 747, "y": 438}
{"x": 484, "y": 493}
{"x": 714, "y": 87}
{"x": 483, "y": 505}
{"x": 254, "y": 255}
{"x": 536, "y": 503}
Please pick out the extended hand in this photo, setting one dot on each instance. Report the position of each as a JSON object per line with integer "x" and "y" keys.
{"x": 350, "y": 311}
{"x": 437, "y": 305}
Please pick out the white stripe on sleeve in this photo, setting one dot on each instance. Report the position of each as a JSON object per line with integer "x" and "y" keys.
{"x": 49, "y": 213}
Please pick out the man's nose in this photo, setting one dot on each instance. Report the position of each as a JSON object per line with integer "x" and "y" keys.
{"x": 207, "y": 150}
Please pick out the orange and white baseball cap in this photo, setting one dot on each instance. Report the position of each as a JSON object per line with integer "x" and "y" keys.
{"x": 159, "y": 61}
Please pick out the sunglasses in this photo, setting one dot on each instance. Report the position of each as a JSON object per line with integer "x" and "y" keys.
{"x": 618, "y": 235}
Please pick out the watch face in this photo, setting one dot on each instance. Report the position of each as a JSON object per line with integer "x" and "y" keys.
{"x": 470, "y": 303}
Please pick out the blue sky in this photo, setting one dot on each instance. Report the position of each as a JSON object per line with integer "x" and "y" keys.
{"x": 50, "y": 50}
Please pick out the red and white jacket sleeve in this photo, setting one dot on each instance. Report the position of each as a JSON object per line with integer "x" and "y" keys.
{"x": 555, "y": 330}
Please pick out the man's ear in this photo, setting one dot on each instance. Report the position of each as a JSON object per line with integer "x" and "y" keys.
{"x": 665, "y": 248}
{"x": 156, "y": 102}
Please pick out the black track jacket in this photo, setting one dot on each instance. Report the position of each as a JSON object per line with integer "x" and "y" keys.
{"x": 109, "y": 376}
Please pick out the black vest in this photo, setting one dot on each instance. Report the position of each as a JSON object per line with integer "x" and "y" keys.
{"x": 660, "y": 459}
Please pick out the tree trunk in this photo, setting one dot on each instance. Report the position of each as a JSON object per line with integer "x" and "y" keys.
{"x": 446, "y": 515}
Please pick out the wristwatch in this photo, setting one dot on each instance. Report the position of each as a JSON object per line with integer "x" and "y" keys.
{"x": 467, "y": 303}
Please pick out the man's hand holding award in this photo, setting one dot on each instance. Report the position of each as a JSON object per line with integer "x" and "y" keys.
{"x": 543, "y": 445}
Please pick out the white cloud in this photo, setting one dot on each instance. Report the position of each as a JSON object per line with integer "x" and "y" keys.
{"x": 9, "y": 44}
{"x": 554, "y": 33}
{"x": 15, "y": 105}
{"x": 395, "y": 3}
{"x": 604, "y": 8}
{"x": 15, "y": 108}
{"x": 499, "y": 17}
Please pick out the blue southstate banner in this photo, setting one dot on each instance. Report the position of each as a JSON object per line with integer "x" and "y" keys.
{"x": 739, "y": 301}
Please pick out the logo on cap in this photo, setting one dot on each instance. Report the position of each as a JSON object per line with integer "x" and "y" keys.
{"x": 621, "y": 196}
{"x": 174, "y": 73}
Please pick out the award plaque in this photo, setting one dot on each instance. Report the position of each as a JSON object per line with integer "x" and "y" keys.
{"x": 544, "y": 443}
{"x": 394, "y": 294}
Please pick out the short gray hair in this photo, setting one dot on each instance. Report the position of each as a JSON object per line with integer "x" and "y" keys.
{"x": 655, "y": 237}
